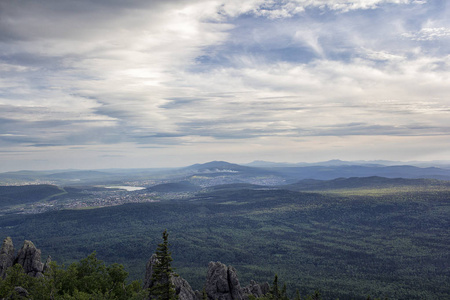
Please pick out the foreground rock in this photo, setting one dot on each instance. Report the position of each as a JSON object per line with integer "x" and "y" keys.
{"x": 148, "y": 283}
{"x": 29, "y": 257}
{"x": 6, "y": 256}
{"x": 222, "y": 283}
{"x": 183, "y": 289}
{"x": 256, "y": 289}
{"x": 21, "y": 292}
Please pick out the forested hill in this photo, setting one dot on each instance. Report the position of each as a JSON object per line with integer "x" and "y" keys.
{"x": 365, "y": 183}
{"x": 17, "y": 195}
{"x": 348, "y": 244}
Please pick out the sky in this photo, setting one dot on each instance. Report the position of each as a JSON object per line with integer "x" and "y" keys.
{"x": 92, "y": 84}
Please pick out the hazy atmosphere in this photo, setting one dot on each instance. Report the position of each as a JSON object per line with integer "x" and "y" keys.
{"x": 106, "y": 84}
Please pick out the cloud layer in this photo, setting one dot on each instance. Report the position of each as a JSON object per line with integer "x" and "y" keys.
{"x": 188, "y": 81}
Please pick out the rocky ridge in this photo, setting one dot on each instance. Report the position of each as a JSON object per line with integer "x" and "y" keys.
{"x": 222, "y": 282}
{"x": 29, "y": 257}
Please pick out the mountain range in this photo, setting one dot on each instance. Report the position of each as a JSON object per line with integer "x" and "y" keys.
{"x": 264, "y": 173}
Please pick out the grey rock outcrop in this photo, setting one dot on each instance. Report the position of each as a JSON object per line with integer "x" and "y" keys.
{"x": 30, "y": 259}
{"x": 47, "y": 264}
{"x": 198, "y": 295}
{"x": 222, "y": 283}
{"x": 6, "y": 256}
{"x": 182, "y": 287}
{"x": 148, "y": 283}
{"x": 265, "y": 288}
{"x": 253, "y": 289}
{"x": 21, "y": 293}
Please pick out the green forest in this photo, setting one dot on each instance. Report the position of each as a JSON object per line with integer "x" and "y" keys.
{"x": 91, "y": 279}
{"x": 347, "y": 244}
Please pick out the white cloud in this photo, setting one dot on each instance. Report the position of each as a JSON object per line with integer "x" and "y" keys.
{"x": 288, "y": 8}
{"x": 286, "y": 99}
{"x": 380, "y": 55}
{"x": 122, "y": 64}
{"x": 428, "y": 34}
{"x": 134, "y": 75}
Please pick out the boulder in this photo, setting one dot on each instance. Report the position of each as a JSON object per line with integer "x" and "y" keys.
{"x": 253, "y": 289}
{"x": 6, "y": 256}
{"x": 20, "y": 292}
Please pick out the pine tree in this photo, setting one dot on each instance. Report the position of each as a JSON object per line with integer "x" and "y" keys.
{"x": 297, "y": 295}
{"x": 204, "y": 295}
{"x": 163, "y": 288}
{"x": 275, "y": 290}
{"x": 283, "y": 294}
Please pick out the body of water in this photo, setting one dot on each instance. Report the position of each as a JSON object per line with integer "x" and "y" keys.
{"x": 127, "y": 188}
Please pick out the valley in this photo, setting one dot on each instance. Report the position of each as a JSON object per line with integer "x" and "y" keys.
{"x": 347, "y": 237}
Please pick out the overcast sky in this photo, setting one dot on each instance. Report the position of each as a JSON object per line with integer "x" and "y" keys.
{"x": 106, "y": 83}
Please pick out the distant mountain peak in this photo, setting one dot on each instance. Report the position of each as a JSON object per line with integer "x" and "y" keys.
{"x": 215, "y": 164}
